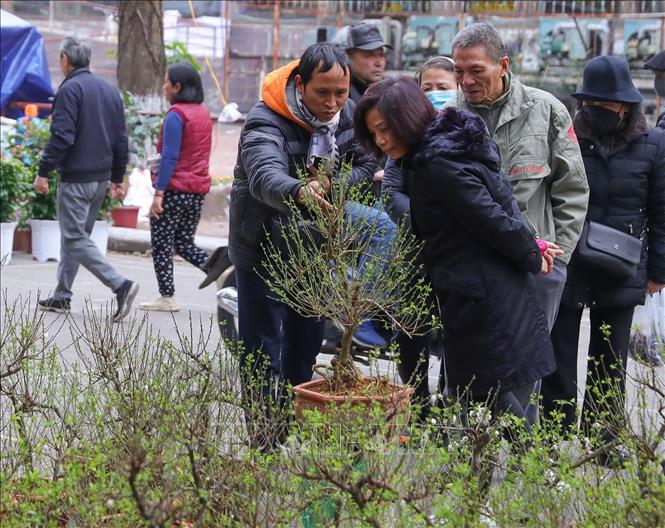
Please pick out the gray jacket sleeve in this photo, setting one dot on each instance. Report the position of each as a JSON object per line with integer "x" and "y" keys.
{"x": 393, "y": 189}
{"x": 266, "y": 162}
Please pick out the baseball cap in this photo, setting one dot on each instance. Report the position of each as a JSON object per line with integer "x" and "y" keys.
{"x": 366, "y": 37}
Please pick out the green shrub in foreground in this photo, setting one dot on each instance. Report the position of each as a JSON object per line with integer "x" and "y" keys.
{"x": 143, "y": 431}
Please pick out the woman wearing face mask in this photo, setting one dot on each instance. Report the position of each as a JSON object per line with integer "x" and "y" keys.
{"x": 625, "y": 167}
{"x": 437, "y": 79}
{"x": 478, "y": 253}
{"x": 657, "y": 64}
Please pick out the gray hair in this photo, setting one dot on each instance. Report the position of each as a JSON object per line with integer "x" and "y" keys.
{"x": 481, "y": 34}
{"x": 77, "y": 51}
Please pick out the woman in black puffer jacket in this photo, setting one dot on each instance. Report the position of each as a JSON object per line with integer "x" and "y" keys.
{"x": 478, "y": 253}
{"x": 625, "y": 166}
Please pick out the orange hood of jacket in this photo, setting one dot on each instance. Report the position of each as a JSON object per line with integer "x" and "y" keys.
{"x": 273, "y": 92}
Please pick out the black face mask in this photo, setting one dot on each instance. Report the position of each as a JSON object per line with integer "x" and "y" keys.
{"x": 659, "y": 86}
{"x": 602, "y": 120}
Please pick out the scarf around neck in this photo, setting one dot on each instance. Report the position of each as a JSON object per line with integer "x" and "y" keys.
{"x": 322, "y": 144}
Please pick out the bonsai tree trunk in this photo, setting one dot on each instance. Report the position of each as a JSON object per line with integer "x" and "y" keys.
{"x": 346, "y": 364}
{"x": 141, "y": 60}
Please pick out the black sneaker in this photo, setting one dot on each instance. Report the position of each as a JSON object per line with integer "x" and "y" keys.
{"x": 215, "y": 266}
{"x": 124, "y": 298}
{"x": 55, "y": 305}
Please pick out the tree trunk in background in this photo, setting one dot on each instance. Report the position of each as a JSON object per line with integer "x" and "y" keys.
{"x": 141, "y": 61}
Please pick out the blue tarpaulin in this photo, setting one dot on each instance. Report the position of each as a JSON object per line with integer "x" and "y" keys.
{"x": 24, "y": 74}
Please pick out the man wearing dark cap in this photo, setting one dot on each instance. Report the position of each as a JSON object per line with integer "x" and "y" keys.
{"x": 368, "y": 62}
{"x": 657, "y": 64}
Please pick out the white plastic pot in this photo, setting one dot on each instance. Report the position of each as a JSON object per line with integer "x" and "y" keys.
{"x": 6, "y": 241}
{"x": 100, "y": 235}
{"x": 45, "y": 239}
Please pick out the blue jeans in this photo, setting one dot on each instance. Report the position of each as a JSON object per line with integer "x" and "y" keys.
{"x": 379, "y": 242}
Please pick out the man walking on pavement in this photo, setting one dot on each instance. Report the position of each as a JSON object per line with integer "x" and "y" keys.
{"x": 88, "y": 146}
{"x": 539, "y": 151}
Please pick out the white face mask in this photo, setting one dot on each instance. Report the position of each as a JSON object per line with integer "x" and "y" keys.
{"x": 438, "y": 98}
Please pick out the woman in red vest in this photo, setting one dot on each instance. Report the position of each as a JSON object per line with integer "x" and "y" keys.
{"x": 181, "y": 182}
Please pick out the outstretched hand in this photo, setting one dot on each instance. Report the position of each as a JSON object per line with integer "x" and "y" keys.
{"x": 653, "y": 287}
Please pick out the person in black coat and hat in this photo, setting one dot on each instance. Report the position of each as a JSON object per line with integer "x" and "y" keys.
{"x": 657, "y": 64}
{"x": 479, "y": 255}
{"x": 625, "y": 166}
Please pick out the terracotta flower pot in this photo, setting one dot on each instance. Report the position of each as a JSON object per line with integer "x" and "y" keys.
{"x": 394, "y": 400}
{"x": 23, "y": 240}
{"x": 125, "y": 216}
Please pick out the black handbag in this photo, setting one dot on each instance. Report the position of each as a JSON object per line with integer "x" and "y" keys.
{"x": 607, "y": 249}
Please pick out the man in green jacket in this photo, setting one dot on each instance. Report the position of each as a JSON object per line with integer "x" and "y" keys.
{"x": 539, "y": 151}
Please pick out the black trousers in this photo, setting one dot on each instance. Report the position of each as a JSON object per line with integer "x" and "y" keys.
{"x": 606, "y": 378}
{"x": 279, "y": 347}
{"x": 175, "y": 228}
{"x": 413, "y": 366}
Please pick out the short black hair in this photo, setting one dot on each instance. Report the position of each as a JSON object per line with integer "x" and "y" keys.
{"x": 404, "y": 107}
{"x": 191, "y": 89}
{"x": 321, "y": 57}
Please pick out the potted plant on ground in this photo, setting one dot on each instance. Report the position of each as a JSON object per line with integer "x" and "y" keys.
{"x": 13, "y": 189}
{"x": 40, "y": 209}
{"x": 313, "y": 268}
{"x": 43, "y": 214}
{"x": 143, "y": 117}
{"x": 125, "y": 215}
{"x": 101, "y": 229}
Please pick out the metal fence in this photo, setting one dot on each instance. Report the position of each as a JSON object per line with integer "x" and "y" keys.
{"x": 397, "y": 8}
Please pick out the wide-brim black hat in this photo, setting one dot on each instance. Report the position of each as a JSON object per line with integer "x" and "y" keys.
{"x": 607, "y": 78}
{"x": 656, "y": 63}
